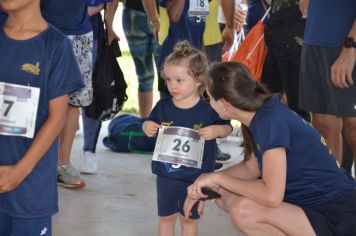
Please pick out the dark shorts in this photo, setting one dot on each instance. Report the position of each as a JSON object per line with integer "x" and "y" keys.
{"x": 171, "y": 195}
{"x": 11, "y": 226}
{"x": 335, "y": 217}
{"x": 317, "y": 92}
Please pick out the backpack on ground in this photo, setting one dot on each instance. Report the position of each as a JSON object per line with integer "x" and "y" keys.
{"x": 126, "y": 135}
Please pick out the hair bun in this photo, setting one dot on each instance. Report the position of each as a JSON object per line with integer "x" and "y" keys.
{"x": 183, "y": 48}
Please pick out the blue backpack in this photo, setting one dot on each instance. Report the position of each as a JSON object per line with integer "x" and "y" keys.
{"x": 126, "y": 135}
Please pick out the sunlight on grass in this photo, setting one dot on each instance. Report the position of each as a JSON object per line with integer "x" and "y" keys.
{"x": 128, "y": 68}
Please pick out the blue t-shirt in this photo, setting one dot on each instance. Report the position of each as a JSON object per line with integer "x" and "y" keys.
{"x": 94, "y": 3}
{"x": 47, "y": 62}
{"x": 313, "y": 176}
{"x": 70, "y": 16}
{"x": 187, "y": 28}
{"x": 200, "y": 115}
{"x": 329, "y": 22}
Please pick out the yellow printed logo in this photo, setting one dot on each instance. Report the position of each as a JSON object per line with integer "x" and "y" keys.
{"x": 167, "y": 123}
{"x": 30, "y": 68}
{"x": 197, "y": 126}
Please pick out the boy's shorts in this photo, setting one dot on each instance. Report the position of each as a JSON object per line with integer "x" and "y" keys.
{"x": 171, "y": 195}
{"x": 335, "y": 217}
{"x": 11, "y": 226}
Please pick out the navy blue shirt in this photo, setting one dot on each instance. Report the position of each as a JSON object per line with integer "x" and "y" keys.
{"x": 47, "y": 62}
{"x": 329, "y": 22}
{"x": 200, "y": 115}
{"x": 313, "y": 175}
{"x": 70, "y": 16}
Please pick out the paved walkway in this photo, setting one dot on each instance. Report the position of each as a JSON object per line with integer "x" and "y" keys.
{"x": 121, "y": 199}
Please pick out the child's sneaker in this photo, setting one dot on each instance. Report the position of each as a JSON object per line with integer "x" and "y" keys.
{"x": 89, "y": 164}
{"x": 68, "y": 177}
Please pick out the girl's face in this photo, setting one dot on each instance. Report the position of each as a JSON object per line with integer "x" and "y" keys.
{"x": 183, "y": 87}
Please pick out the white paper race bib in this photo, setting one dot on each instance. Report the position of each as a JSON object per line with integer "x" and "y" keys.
{"x": 179, "y": 146}
{"x": 18, "y": 109}
{"x": 198, "y": 8}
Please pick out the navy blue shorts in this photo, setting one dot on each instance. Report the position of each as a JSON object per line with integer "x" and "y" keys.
{"x": 171, "y": 195}
{"x": 335, "y": 217}
{"x": 11, "y": 226}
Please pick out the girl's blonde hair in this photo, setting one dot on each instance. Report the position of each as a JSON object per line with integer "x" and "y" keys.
{"x": 195, "y": 61}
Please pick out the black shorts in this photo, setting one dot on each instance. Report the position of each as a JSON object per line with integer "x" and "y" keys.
{"x": 171, "y": 194}
{"x": 335, "y": 217}
{"x": 316, "y": 91}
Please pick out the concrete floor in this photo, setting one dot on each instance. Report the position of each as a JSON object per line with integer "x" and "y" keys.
{"x": 121, "y": 199}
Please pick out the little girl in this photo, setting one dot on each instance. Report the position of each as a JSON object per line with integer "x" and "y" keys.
{"x": 184, "y": 72}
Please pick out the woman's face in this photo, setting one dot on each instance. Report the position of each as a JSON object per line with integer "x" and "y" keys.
{"x": 218, "y": 106}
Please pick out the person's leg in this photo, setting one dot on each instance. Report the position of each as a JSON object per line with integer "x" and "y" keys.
{"x": 5, "y": 224}
{"x": 145, "y": 75}
{"x": 350, "y": 136}
{"x": 67, "y": 175}
{"x": 255, "y": 219}
{"x": 138, "y": 33}
{"x": 83, "y": 50}
{"x": 67, "y": 134}
{"x": 91, "y": 130}
{"x": 31, "y": 227}
{"x": 189, "y": 228}
{"x": 166, "y": 225}
{"x": 347, "y": 159}
{"x": 330, "y": 128}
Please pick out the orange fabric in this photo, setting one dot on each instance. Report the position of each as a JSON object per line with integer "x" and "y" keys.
{"x": 252, "y": 51}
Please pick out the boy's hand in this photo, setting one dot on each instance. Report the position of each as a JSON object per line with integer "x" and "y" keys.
{"x": 150, "y": 128}
{"x": 10, "y": 178}
{"x": 208, "y": 132}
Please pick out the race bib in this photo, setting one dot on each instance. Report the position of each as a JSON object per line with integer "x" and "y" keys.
{"x": 18, "y": 109}
{"x": 179, "y": 146}
{"x": 198, "y": 8}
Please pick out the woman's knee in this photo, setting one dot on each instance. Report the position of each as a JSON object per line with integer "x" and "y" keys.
{"x": 242, "y": 212}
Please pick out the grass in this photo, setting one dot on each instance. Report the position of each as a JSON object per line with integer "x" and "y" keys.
{"x": 128, "y": 68}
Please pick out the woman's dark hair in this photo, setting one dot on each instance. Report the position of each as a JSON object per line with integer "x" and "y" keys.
{"x": 233, "y": 82}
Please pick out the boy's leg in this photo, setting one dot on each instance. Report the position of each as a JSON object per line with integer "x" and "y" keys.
{"x": 5, "y": 224}
{"x": 31, "y": 227}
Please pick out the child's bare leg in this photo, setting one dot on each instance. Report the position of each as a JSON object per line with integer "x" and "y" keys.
{"x": 166, "y": 225}
{"x": 189, "y": 228}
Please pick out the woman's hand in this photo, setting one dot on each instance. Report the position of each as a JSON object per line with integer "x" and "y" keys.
{"x": 204, "y": 180}
{"x": 150, "y": 128}
{"x": 188, "y": 206}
